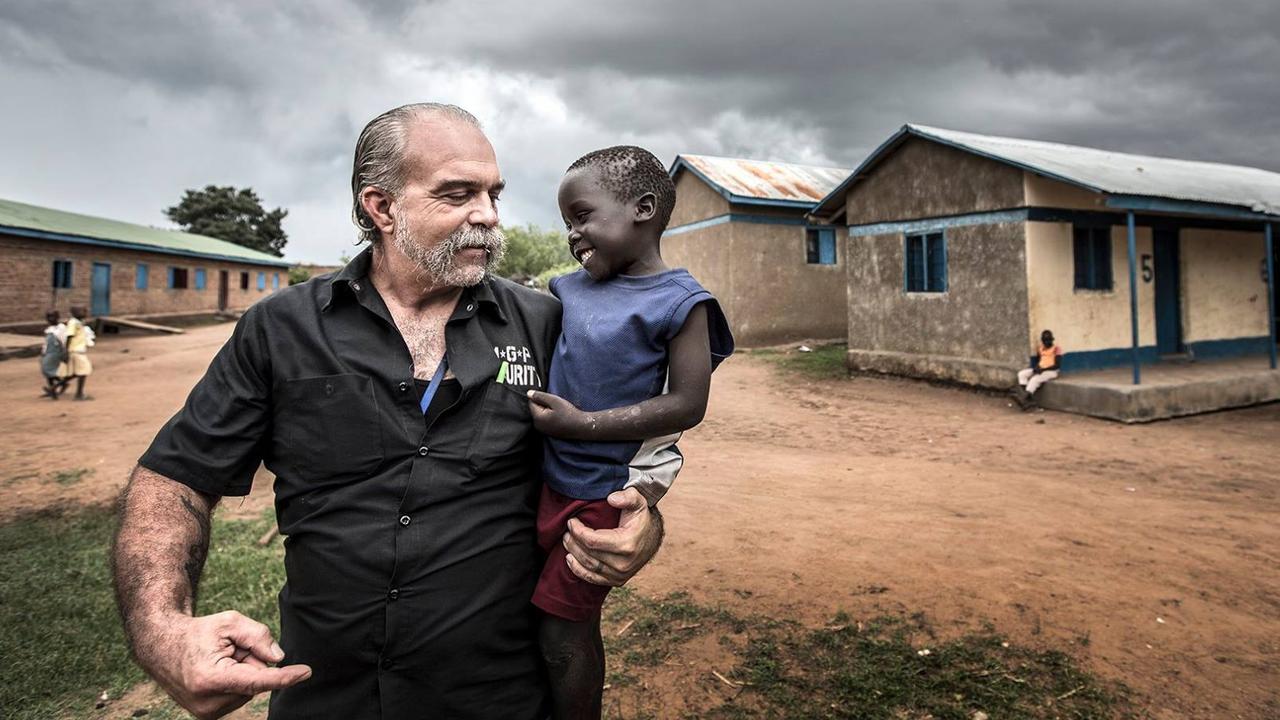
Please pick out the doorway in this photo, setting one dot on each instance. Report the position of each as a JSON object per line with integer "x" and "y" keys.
{"x": 100, "y": 292}
{"x": 222, "y": 290}
{"x": 1168, "y": 292}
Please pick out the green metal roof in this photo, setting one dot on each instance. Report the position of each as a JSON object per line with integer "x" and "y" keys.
{"x": 46, "y": 223}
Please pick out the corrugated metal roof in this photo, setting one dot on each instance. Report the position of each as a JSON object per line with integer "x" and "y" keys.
{"x": 761, "y": 180}
{"x": 1103, "y": 171}
{"x": 69, "y": 226}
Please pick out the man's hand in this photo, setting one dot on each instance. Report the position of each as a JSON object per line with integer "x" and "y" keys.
{"x": 212, "y": 665}
{"x": 614, "y": 556}
{"x": 556, "y": 417}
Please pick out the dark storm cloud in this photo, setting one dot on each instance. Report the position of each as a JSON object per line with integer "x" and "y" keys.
{"x": 178, "y": 94}
{"x": 1174, "y": 77}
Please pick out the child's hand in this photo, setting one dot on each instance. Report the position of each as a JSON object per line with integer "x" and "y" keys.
{"x": 557, "y": 417}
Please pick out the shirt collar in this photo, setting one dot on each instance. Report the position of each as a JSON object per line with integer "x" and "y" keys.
{"x": 357, "y": 271}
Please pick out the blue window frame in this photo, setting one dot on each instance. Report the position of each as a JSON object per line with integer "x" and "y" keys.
{"x": 177, "y": 278}
{"x": 199, "y": 278}
{"x": 141, "y": 277}
{"x": 926, "y": 263}
{"x": 275, "y": 281}
{"x": 1092, "y": 253}
{"x": 262, "y": 281}
{"x": 820, "y": 246}
{"x": 61, "y": 273}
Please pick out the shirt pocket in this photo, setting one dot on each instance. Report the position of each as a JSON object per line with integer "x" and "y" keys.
{"x": 330, "y": 426}
{"x": 506, "y": 434}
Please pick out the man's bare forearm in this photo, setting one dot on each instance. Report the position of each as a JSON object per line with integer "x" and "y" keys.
{"x": 158, "y": 556}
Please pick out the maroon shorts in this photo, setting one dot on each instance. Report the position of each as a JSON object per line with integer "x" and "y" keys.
{"x": 559, "y": 591}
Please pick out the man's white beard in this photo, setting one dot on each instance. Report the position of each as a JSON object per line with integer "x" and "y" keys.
{"x": 440, "y": 263}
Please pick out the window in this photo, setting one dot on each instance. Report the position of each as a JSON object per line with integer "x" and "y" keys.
{"x": 926, "y": 263}
{"x": 244, "y": 281}
{"x": 62, "y": 273}
{"x": 262, "y": 281}
{"x": 820, "y": 246}
{"x": 275, "y": 281}
{"x": 199, "y": 278}
{"x": 178, "y": 278}
{"x": 141, "y": 278}
{"x": 1092, "y": 257}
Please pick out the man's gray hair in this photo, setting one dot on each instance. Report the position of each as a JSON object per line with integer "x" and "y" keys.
{"x": 379, "y": 160}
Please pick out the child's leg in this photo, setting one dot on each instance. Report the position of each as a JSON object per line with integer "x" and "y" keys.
{"x": 80, "y": 387}
{"x": 574, "y": 654}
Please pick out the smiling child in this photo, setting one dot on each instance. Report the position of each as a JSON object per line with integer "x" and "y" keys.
{"x": 631, "y": 371}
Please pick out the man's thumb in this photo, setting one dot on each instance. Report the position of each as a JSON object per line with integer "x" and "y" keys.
{"x": 628, "y": 499}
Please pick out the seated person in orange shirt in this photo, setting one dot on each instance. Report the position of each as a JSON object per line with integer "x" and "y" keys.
{"x": 1044, "y": 367}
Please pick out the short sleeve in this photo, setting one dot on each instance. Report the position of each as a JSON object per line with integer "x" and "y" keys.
{"x": 721, "y": 339}
{"x": 214, "y": 444}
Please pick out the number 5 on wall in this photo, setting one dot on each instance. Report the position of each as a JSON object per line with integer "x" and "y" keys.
{"x": 1147, "y": 273}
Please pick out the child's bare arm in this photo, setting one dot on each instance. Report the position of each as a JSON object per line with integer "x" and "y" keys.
{"x": 680, "y": 408}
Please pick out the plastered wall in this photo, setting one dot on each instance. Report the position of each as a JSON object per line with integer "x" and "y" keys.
{"x": 1083, "y": 319}
{"x": 1224, "y": 293}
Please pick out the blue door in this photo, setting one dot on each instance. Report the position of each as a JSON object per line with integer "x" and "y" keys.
{"x": 1168, "y": 292}
{"x": 100, "y": 299}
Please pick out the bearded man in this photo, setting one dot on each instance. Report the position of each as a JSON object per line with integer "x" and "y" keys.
{"x": 389, "y": 400}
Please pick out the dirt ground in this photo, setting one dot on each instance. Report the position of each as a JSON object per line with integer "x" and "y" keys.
{"x": 1149, "y": 552}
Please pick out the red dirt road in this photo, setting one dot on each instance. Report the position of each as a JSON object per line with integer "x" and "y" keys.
{"x": 1150, "y": 552}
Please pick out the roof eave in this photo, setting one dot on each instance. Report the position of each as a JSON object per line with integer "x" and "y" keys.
{"x": 142, "y": 247}
{"x": 1152, "y": 203}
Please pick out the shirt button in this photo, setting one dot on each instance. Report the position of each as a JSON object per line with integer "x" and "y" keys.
{"x": 387, "y": 663}
{"x": 470, "y": 307}
{"x": 405, "y": 519}
{"x": 394, "y": 594}
{"x": 424, "y": 450}
{"x": 355, "y": 286}
{"x": 404, "y": 387}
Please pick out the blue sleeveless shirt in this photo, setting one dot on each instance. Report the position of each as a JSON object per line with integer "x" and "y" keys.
{"x": 612, "y": 352}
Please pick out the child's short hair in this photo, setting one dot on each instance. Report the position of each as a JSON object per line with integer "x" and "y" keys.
{"x": 628, "y": 172}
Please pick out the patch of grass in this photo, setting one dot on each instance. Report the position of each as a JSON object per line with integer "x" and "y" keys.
{"x": 70, "y": 477}
{"x": 886, "y": 668}
{"x": 825, "y": 362}
{"x": 61, "y": 644}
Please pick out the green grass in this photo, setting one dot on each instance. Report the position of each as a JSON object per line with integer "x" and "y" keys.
{"x": 885, "y": 668}
{"x": 61, "y": 644}
{"x": 70, "y": 477}
{"x": 825, "y": 362}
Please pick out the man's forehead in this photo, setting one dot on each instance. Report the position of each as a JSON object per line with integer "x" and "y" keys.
{"x": 437, "y": 146}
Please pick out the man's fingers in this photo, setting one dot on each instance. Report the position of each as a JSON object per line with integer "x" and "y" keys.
{"x": 245, "y": 679}
{"x": 628, "y": 500}
{"x": 251, "y": 635}
{"x": 591, "y": 577}
{"x": 600, "y": 542}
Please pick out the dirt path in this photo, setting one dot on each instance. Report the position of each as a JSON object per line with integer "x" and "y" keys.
{"x": 1148, "y": 551}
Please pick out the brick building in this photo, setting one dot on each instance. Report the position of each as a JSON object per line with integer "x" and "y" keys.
{"x": 52, "y": 259}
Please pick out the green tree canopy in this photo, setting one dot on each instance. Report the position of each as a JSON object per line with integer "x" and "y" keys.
{"x": 532, "y": 251}
{"x": 233, "y": 215}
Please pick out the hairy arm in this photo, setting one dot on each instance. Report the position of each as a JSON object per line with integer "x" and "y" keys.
{"x": 210, "y": 665}
{"x": 680, "y": 408}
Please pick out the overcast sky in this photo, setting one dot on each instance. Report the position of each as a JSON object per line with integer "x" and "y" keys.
{"x": 114, "y": 108}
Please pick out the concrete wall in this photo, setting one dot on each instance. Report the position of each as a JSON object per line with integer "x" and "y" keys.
{"x": 924, "y": 179}
{"x": 757, "y": 270}
{"x": 1084, "y": 320}
{"x": 695, "y": 200}
{"x": 1224, "y": 295}
{"x": 26, "y": 275}
{"x": 975, "y": 332}
{"x": 1040, "y": 191}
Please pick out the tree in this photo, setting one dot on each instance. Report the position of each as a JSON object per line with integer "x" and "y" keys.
{"x": 532, "y": 251}
{"x": 233, "y": 215}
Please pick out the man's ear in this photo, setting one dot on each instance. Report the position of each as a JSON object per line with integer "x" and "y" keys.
{"x": 376, "y": 203}
{"x": 646, "y": 207}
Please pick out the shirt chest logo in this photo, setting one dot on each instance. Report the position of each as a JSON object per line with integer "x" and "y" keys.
{"x": 517, "y": 367}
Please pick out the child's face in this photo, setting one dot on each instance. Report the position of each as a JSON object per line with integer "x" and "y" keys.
{"x": 601, "y": 228}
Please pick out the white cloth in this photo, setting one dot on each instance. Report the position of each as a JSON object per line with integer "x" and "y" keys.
{"x": 1032, "y": 380}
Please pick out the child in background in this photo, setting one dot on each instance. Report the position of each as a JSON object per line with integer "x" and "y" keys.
{"x": 631, "y": 371}
{"x": 1044, "y": 367}
{"x": 80, "y": 338}
{"x": 53, "y": 358}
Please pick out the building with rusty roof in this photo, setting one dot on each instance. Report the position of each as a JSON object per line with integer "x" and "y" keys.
{"x": 740, "y": 227}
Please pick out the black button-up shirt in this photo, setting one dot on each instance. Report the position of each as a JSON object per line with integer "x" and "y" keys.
{"x": 410, "y": 549}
